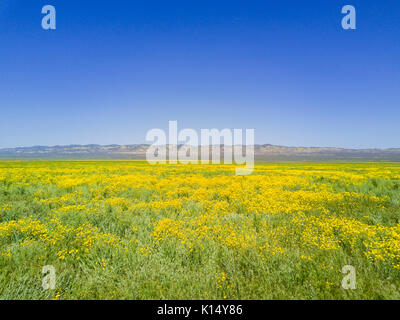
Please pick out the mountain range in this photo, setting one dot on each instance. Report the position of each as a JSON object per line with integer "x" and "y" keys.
{"x": 266, "y": 152}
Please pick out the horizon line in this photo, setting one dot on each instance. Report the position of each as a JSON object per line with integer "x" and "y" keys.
{"x": 210, "y": 145}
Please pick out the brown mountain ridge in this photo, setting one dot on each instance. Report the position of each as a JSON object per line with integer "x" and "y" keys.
{"x": 264, "y": 152}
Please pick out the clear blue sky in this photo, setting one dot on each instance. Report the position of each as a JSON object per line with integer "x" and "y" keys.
{"x": 112, "y": 70}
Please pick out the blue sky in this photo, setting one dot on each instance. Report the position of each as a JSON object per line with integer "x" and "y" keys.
{"x": 112, "y": 70}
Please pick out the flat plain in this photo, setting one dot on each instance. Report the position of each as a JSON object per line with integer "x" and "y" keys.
{"x": 131, "y": 230}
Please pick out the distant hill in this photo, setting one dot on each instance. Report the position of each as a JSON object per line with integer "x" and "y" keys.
{"x": 138, "y": 151}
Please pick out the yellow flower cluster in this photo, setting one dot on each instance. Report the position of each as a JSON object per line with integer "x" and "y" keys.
{"x": 87, "y": 206}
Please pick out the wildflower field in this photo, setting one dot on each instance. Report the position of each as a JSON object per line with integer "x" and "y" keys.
{"x": 131, "y": 230}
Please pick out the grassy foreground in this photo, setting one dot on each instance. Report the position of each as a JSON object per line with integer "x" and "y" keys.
{"x": 130, "y": 230}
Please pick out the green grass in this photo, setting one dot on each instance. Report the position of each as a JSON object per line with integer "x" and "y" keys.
{"x": 142, "y": 268}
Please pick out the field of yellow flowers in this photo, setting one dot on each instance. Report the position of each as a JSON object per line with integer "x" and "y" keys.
{"x": 131, "y": 230}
